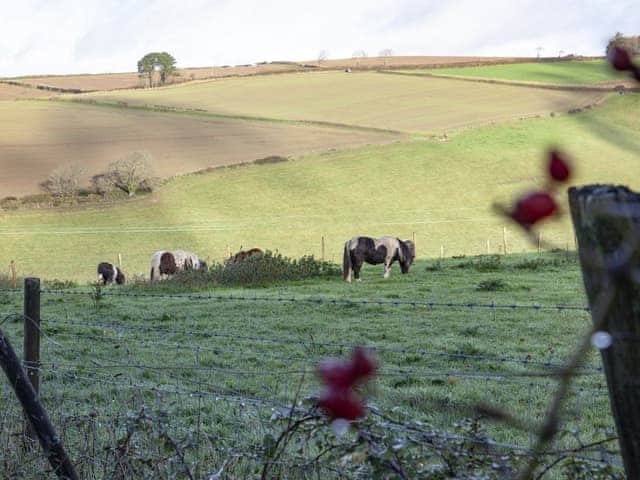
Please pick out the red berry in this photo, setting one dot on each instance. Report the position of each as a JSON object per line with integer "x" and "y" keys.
{"x": 362, "y": 364}
{"x": 532, "y": 208}
{"x": 341, "y": 403}
{"x": 558, "y": 167}
{"x": 620, "y": 58}
{"x": 336, "y": 373}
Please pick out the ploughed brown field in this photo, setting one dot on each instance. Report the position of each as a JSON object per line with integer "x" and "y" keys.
{"x": 38, "y": 136}
{"x": 12, "y": 92}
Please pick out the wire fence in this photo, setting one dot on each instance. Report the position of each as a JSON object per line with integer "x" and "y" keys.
{"x": 215, "y": 373}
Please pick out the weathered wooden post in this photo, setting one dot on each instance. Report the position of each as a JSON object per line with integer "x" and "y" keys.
{"x": 504, "y": 239}
{"x": 31, "y": 319}
{"x": 120, "y": 261}
{"x": 441, "y": 252}
{"x": 488, "y": 247}
{"x": 14, "y": 274}
{"x": 32, "y": 330}
{"x": 322, "y": 249}
{"x": 606, "y": 219}
{"x": 34, "y": 412}
{"x": 539, "y": 242}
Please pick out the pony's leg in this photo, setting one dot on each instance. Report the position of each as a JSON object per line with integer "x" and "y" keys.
{"x": 387, "y": 270}
{"x": 357, "y": 265}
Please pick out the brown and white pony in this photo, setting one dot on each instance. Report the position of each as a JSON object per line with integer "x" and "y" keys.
{"x": 375, "y": 251}
{"x": 109, "y": 273}
{"x": 244, "y": 254}
{"x": 169, "y": 263}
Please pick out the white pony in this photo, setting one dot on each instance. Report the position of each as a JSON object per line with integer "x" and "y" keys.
{"x": 169, "y": 263}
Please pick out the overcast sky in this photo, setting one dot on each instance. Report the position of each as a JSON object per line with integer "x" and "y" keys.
{"x": 75, "y": 36}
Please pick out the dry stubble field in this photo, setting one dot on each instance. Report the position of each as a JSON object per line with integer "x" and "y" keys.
{"x": 404, "y": 103}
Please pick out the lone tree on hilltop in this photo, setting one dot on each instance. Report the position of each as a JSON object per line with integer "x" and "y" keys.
{"x": 161, "y": 62}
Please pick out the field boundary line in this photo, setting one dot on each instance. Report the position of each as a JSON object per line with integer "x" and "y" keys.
{"x": 206, "y": 113}
{"x": 574, "y": 87}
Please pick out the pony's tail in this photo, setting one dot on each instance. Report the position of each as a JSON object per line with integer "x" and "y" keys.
{"x": 346, "y": 263}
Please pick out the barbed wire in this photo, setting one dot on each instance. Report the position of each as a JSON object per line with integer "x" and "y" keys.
{"x": 254, "y": 338}
{"x": 317, "y": 300}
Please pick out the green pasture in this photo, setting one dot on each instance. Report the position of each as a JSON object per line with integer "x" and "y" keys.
{"x": 562, "y": 72}
{"x": 107, "y": 357}
{"x": 442, "y": 191}
{"x": 395, "y": 102}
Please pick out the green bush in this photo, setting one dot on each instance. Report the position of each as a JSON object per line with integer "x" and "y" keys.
{"x": 484, "y": 263}
{"x": 258, "y": 270}
{"x": 492, "y": 285}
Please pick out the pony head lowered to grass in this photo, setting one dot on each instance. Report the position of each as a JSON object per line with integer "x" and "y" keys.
{"x": 374, "y": 251}
{"x": 169, "y": 263}
{"x": 109, "y": 273}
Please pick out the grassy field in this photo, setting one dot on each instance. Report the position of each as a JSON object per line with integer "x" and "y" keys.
{"x": 442, "y": 191}
{"x": 104, "y": 361}
{"x": 405, "y": 103}
{"x": 570, "y": 72}
{"x": 37, "y": 137}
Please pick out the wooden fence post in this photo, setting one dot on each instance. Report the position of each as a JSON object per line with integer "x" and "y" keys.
{"x": 504, "y": 239}
{"x": 441, "y": 252}
{"x": 413, "y": 239}
{"x": 539, "y": 242}
{"x": 120, "y": 261}
{"x": 488, "y": 247}
{"x": 14, "y": 274}
{"x": 32, "y": 338}
{"x": 607, "y": 224}
{"x": 322, "y": 249}
{"x": 34, "y": 412}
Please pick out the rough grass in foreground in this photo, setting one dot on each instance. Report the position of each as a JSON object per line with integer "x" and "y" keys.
{"x": 197, "y": 363}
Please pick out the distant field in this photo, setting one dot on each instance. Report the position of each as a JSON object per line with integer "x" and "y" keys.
{"x": 411, "y": 104}
{"x": 37, "y": 137}
{"x": 12, "y": 92}
{"x": 111, "y": 81}
{"x": 443, "y": 191}
{"x": 571, "y": 72}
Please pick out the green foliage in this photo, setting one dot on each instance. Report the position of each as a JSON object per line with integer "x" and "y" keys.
{"x": 492, "y": 285}
{"x": 258, "y": 270}
{"x": 162, "y": 62}
{"x": 484, "y": 263}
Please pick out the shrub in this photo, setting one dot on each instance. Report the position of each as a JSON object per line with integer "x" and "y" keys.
{"x": 258, "y": 270}
{"x": 484, "y": 263}
{"x": 64, "y": 181}
{"x": 131, "y": 172}
{"x": 492, "y": 285}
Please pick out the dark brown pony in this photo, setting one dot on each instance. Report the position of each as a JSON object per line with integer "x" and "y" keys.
{"x": 244, "y": 254}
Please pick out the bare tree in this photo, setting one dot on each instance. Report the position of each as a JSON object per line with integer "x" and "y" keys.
{"x": 131, "y": 172}
{"x": 323, "y": 55}
{"x": 64, "y": 181}
{"x": 385, "y": 53}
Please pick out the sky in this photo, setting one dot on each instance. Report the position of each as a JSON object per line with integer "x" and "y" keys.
{"x": 95, "y": 36}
